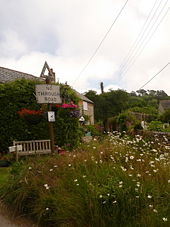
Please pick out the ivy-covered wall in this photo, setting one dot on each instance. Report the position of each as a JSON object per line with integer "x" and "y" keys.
{"x": 20, "y": 94}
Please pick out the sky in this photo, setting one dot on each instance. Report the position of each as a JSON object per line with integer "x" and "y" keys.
{"x": 67, "y": 33}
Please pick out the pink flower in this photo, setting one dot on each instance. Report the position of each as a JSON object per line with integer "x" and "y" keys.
{"x": 67, "y": 105}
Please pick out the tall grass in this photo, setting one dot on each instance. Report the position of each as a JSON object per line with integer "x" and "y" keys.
{"x": 114, "y": 182}
{"x": 4, "y": 174}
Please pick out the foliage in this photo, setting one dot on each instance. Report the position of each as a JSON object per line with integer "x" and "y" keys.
{"x": 136, "y": 101}
{"x": 18, "y": 97}
{"x": 67, "y": 94}
{"x": 92, "y": 95}
{"x": 113, "y": 123}
{"x": 4, "y": 175}
{"x": 149, "y": 112}
{"x": 92, "y": 129}
{"x": 165, "y": 117}
{"x": 13, "y": 97}
{"x": 116, "y": 182}
{"x": 155, "y": 126}
{"x": 110, "y": 104}
{"x": 158, "y": 93}
{"x": 67, "y": 130}
{"x": 127, "y": 121}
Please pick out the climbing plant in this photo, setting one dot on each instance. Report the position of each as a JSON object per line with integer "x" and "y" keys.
{"x": 18, "y": 95}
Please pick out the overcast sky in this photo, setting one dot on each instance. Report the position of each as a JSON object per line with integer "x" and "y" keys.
{"x": 65, "y": 33}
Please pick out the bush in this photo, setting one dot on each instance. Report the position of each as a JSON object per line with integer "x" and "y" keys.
{"x": 67, "y": 129}
{"x": 13, "y": 97}
{"x": 165, "y": 117}
{"x": 18, "y": 95}
{"x": 94, "y": 131}
{"x": 128, "y": 122}
{"x": 155, "y": 126}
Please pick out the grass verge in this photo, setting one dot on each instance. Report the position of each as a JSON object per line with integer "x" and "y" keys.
{"x": 114, "y": 182}
{"x": 4, "y": 174}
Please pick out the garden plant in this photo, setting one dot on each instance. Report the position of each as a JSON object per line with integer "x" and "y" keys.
{"x": 116, "y": 181}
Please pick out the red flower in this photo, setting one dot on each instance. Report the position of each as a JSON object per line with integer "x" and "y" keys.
{"x": 24, "y": 112}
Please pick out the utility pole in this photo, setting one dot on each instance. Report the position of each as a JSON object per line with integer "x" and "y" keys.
{"x": 102, "y": 87}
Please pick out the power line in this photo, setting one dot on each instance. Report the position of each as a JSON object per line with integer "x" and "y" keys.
{"x": 134, "y": 54}
{"x": 154, "y": 76}
{"x": 141, "y": 33}
{"x": 142, "y": 47}
{"x": 94, "y": 53}
{"x": 143, "y": 43}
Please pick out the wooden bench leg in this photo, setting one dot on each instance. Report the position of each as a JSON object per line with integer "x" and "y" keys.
{"x": 16, "y": 155}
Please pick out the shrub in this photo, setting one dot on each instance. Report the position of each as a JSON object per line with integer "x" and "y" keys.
{"x": 13, "y": 97}
{"x": 128, "y": 122}
{"x": 165, "y": 117}
{"x": 67, "y": 128}
{"x": 92, "y": 129}
{"x": 155, "y": 126}
{"x": 17, "y": 98}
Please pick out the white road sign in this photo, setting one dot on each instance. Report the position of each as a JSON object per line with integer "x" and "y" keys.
{"x": 51, "y": 116}
{"x": 48, "y": 93}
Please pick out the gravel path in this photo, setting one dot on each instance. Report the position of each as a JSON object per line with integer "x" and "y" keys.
{"x": 5, "y": 222}
{"x": 7, "y": 219}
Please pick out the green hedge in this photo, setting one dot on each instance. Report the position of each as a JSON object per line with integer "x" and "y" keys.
{"x": 21, "y": 94}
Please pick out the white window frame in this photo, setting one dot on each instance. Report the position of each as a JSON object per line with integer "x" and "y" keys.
{"x": 85, "y": 105}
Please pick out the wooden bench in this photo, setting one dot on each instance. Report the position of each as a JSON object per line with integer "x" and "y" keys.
{"x": 32, "y": 147}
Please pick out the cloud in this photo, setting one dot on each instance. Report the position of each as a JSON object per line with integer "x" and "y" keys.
{"x": 66, "y": 34}
{"x": 12, "y": 45}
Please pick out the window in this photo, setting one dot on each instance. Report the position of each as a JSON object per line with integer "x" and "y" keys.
{"x": 85, "y": 106}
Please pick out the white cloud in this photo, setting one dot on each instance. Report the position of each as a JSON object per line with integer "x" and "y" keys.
{"x": 66, "y": 33}
{"x": 12, "y": 44}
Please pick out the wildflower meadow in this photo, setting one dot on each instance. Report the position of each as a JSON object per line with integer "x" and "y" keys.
{"x": 111, "y": 181}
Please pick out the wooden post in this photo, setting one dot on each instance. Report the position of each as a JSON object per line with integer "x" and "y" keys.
{"x": 51, "y": 131}
{"x": 50, "y": 124}
{"x": 16, "y": 150}
{"x": 48, "y": 79}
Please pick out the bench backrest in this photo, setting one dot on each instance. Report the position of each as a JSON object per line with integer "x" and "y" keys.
{"x": 34, "y": 145}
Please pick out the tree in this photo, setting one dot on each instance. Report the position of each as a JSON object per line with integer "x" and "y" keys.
{"x": 141, "y": 92}
{"x": 92, "y": 95}
{"x": 161, "y": 93}
{"x": 108, "y": 104}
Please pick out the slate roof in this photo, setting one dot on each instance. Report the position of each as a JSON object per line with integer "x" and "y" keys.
{"x": 82, "y": 97}
{"x": 165, "y": 104}
{"x": 7, "y": 75}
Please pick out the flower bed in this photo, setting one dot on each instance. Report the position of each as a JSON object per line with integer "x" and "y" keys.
{"x": 31, "y": 116}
